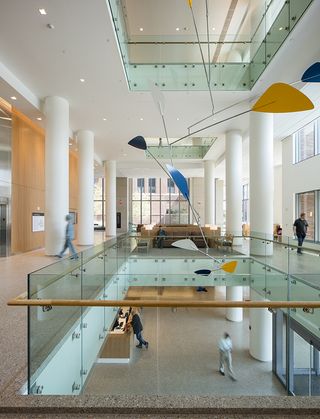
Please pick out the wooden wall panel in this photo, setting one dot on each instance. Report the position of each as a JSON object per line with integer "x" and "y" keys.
{"x": 28, "y": 182}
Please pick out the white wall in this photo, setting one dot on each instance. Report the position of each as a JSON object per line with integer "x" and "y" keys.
{"x": 300, "y": 177}
{"x": 277, "y": 195}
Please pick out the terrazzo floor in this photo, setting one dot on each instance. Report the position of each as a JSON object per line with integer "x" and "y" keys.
{"x": 183, "y": 358}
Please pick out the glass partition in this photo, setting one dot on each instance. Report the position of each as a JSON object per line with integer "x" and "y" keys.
{"x": 174, "y": 62}
{"x": 119, "y": 270}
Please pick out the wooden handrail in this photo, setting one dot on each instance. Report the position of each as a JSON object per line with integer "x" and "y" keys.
{"x": 165, "y": 303}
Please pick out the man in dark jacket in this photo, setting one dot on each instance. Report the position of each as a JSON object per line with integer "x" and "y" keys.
{"x": 300, "y": 230}
{"x": 137, "y": 328}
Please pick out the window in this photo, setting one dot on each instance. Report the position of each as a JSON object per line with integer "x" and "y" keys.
{"x": 162, "y": 204}
{"x": 152, "y": 185}
{"x": 306, "y": 141}
{"x": 306, "y": 203}
{"x": 245, "y": 203}
{"x": 170, "y": 185}
{"x": 140, "y": 184}
{"x": 98, "y": 205}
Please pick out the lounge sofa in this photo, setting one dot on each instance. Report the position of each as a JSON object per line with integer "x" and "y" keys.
{"x": 174, "y": 232}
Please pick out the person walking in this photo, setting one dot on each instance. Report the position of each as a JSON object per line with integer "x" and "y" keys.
{"x": 68, "y": 239}
{"x": 225, "y": 349}
{"x": 137, "y": 328}
{"x": 300, "y": 227}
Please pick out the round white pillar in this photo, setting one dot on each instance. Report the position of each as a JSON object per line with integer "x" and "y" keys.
{"x": 219, "y": 202}
{"x": 111, "y": 196}
{"x": 235, "y": 314}
{"x": 86, "y": 184}
{"x": 56, "y": 110}
{"x": 260, "y": 333}
{"x": 209, "y": 193}
{"x": 234, "y": 185}
{"x": 261, "y": 181}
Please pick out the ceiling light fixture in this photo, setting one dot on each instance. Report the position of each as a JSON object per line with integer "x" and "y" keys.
{"x": 213, "y": 29}
{"x": 42, "y": 11}
{"x": 104, "y": 119}
{"x": 13, "y": 98}
{"x": 177, "y": 29}
{"x": 82, "y": 80}
{"x": 141, "y": 119}
{"x": 178, "y": 119}
{"x": 39, "y": 119}
{"x": 141, "y": 29}
{"x": 280, "y": 29}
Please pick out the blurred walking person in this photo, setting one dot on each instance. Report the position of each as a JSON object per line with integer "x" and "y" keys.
{"x": 225, "y": 349}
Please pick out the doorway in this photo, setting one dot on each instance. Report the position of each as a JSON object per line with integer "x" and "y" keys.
{"x": 296, "y": 356}
{"x": 4, "y": 230}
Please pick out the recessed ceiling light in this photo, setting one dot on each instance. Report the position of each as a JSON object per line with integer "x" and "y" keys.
{"x": 177, "y": 29}
{"x": 39, "y": 119}
{"x": 280, "y": 29}
{"x": 141, "y": 119}
{"x": 70, "y": 143}
{"x": 141, "y": 29}
{"x": 13, "y": 98}
{"x": 104, "y": 119}
{"x": 42, "y": 11}
{"x": 82, "y": 80}
{"x": 178, "y": 119}
{"x": 213, "y": 29}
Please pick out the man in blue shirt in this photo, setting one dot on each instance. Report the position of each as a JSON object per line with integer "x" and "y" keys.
{"x": 68, "y": 239}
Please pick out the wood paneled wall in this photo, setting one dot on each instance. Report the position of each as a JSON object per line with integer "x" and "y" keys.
{"x": 28, "y": 182}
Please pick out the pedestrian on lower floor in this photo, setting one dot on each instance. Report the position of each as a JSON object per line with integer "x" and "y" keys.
{"x": 137, "y": 328}
{"x": 225, "y": 349}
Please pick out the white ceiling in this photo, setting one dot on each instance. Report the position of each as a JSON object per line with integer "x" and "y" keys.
{"x": 36, "y": 62}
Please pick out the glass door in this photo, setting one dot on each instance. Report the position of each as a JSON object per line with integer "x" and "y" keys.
{"x": 296, "y": 359}
{"x": 280, "y": 346}
{"x": 306, "y": 378}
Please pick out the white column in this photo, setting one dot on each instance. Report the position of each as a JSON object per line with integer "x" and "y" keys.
{"x": 209, "y": 193}
{"x": 261, "y": 181}
{"x": 56, "y": 110}
{"x": 234, "y": 184}
{"x": 111, "y": 196}
{"x": 219, "y": 202}
{"x": 86, "y": 184}
{"x": 235, "y": 293}
{"x": 260, "y": 333}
